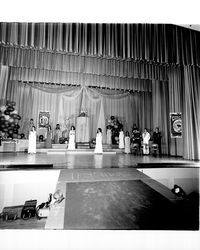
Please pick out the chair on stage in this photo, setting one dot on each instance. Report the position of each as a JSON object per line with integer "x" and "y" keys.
{"x": 136, "y": 149}
{"x": 154, "y": 149}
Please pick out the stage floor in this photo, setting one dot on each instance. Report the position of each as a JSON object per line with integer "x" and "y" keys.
{"x": 91, "y": 161}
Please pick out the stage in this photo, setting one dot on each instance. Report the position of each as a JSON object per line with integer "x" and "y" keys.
{"x": 87, "y": 159}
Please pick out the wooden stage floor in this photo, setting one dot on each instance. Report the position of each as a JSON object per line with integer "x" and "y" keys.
{"x": 91, "y": 161}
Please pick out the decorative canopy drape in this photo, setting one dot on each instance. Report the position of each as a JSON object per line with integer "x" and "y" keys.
{"x": 66, "y": 103}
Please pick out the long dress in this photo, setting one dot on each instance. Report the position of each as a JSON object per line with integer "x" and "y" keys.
{"x": 98, "y": 148}
{"x": 71, "y": 145}
{"x": 48, "y": 143}
{"x": 121, "y": 139}
{"x": 146, "y": 138}
{"x": 127, "y": 145}
{"x": 32, "y": 142}
{"x": 57, "y": 136}
{"x": 108, "y": 136}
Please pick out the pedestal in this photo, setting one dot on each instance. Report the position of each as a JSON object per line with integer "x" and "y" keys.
{"x": 82, "y": 130}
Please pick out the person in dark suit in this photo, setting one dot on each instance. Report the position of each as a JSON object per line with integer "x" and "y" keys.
{"x": 157, "y": 139}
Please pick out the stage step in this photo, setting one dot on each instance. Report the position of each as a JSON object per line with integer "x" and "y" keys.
{"x": 59, "y": 146}
{"x": 76, "y": 151}
{"x": 83, "y": 145}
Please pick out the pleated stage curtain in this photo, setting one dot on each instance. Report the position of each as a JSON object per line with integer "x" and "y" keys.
{"x": 175, "y": 85}
{"x": 65, "y": 104}
{"x": 161, "y": 43}
{"x": 159, "y": 63}
{"x": 4, "y": 74}
{"x": 160, "y": 103}
{"x": 191, "y": 113}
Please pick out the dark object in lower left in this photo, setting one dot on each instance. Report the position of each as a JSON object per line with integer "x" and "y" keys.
{"x": 12, "y": 212}
{"x": 29, "y": 209}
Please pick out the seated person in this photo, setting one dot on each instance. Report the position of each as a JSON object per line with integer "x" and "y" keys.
{"x": 136, "y": 136}
{"x": 157, "y": 139}
{"x": 65, "y": 134}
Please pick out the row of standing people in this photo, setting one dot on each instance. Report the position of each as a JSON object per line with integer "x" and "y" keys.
{"x": 139, "y": 139}
{"x": 48, "y": 141}
{"x": 124, "y": 142}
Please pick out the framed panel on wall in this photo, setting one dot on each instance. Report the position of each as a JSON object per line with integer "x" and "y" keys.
{"x": 176, "y": 125}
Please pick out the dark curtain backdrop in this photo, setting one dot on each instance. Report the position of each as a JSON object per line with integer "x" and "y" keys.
{"x": 157, "y": 63}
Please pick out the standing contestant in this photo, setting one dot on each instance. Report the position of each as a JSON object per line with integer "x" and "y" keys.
{"x": 32, "y": 141}
{"x": 121, "y": 138}
{"x": 71, "y": 145}
{"x": 57, "y": 134}
{"x": 48, "y": 143}
{"x": 98, "y": 148}
{"x": 146, "y": 138}
{"x": 109, "y": 135}
{"x": 127, "y": 143}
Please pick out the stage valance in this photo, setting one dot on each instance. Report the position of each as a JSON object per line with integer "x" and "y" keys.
{"x": 74, "y": 78}
{"x": 36, "y": 59}
{"x": 161, "y": 43}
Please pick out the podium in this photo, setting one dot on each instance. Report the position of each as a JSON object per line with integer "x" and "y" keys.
{"x": 82, "y": 132}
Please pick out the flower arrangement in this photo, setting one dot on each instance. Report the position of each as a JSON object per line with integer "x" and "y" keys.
{"x": 115, "y": 125}
{"x": 83, "y": 113}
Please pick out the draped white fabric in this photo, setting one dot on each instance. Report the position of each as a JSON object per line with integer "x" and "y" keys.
{"x": 4, "y": 72}
{"x": 65, "y": 106}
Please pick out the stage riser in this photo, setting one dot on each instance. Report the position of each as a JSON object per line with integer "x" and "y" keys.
{"x": 78, "y": 153}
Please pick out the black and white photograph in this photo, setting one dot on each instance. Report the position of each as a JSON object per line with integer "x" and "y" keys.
{"x": 99, "y": 130}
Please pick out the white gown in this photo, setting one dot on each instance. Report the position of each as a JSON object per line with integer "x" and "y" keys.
{"x": 146, "y": 138}
{"x": 108, "y": 136}
{"x": 98, "y": 148}
{"x": 121, "y": 139}
{"x": 127, "y": 145}
{"x": 71, "y": 145}
{"x": 32, "y": 142}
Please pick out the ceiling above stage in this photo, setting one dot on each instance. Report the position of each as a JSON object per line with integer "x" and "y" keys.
{"x": 191, "y": 26}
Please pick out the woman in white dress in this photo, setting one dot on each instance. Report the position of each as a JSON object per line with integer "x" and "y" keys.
{"x": 109, "y": 135}
{"x": 32, "y": 141}
{"x": 121, "y": 139}
{"x": 98, "y": 148}
{"x": 146, "y": 138}
{"x": 71, "y": 145}
{"x": 127, "y": 143}
{"x": 57, "y": 134}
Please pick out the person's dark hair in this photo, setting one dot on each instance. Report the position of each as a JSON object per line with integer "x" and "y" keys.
{"x": 31, "y": 119}
{"x": 127, "y": 133}
{"x": 99, "y": 129}
{"x": 73, "y": 127}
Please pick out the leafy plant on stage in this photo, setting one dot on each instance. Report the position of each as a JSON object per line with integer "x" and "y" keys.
{"x": 9, "y": 121}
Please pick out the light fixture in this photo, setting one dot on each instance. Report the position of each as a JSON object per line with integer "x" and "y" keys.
{"x": 178, "y": 191}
